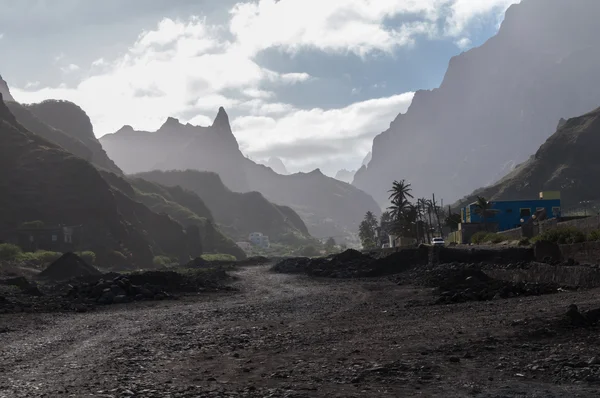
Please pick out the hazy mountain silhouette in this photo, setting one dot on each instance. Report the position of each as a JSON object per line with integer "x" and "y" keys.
{"x": 71, "y": 119}
{"x": 345, "y": 175}
{"x": 496, "y": 104}
{"x": 317, "y": 198}
{"x": 4, "y": 91}
{"x": 238, "y": 214}
{"x": 177, "y": 146}
{"x": 41, "y": 180}
{"x": 276, "y": 165}
{"x": 567, "y": 162}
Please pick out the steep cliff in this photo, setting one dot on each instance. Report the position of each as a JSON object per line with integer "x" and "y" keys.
{"x": 567, "y": 162}
{"x": 4, "y": 91}
{"x": 496, "y": 104}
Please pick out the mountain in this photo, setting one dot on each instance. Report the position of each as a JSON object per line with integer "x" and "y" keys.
{"x": 41, "y": 181}
{"x": 345, "y": 175}
{"x": 73, "y": 121}
{"x": 183, "y": 206}
{"x": 566, "y": 162}
{"x": 330, "y": 208}
{"x": 497, "y": 103}
{"x": 325, "y": 204}
{"x": 367, "y": 159}
{"x": 176, "y": 146}
{"x": 276, "y": 165}
{"x": 31, "y": 122}
{"x": 4, "y": 91}
{"x": 238, "y": 214}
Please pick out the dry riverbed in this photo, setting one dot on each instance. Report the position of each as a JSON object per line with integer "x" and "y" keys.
{"x": 293, "y": 336}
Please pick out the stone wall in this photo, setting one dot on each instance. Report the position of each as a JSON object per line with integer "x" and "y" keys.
{"x": 512, "y": 234}
{"x": 502, "y": 255}
{"x": 585, "y": 253}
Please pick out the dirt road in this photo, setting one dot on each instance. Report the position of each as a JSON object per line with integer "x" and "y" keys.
{"x": 291, "y": 336}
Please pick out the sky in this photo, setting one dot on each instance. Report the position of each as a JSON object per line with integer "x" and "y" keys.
{"x": 308, "y": 81}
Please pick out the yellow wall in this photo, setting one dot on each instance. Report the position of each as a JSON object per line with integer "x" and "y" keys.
{"x": 550, "y": 195}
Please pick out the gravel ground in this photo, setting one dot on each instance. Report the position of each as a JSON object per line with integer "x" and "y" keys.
{"x": 293, "y": 336}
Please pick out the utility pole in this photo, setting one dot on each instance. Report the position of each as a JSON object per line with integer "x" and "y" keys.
{"x": 417, "y": 222}
{"x": 437, "y": 214}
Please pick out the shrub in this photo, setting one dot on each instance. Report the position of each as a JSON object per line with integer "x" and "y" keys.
{"x": 218, "y": 257}
{"x": 9, "y": 251}
{"x": 309, "y": 251}
{"x": 163, "y": 261}
{"x": 562, "y": 236}
{"x": 479, "y": 237}
{"x": 594, "y": 235}
{"x": 524, "y": 242}
{"x": 87, "y": 256}
{"x": 495, "y": 238}
{"x": 43, "y": 256}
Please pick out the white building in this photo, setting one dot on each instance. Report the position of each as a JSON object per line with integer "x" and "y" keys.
{"x": 258, "y": 239}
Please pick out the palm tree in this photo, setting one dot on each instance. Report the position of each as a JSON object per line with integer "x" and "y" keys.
{"x": 484, "y": 209}
{"x": 397, "y": 208}
{"x": 371, "y": 219}
{"x": 400, "y": 192}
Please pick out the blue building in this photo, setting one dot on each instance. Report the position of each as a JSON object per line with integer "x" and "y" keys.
{"x": 509, "y": 214}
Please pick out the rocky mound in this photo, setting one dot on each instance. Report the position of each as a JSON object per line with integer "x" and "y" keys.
{"x": 353, "y": 264}
{"x": 457, "y": 283}
{"x": 150, "y": 285}
{"x": 69, "y": 266}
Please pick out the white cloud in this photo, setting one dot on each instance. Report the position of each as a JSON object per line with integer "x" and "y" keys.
{"x": 1, "y": 36}
{"x": 355, "y": 26}
{"x": 463, "y": 43}
{"x": 188, "y": 69}
{"x": 180, "y": 68}
{"x": 351, "y": 128}
{"x": 32, "y": 84}
{"x": 464, "y": 12}
{"x": 70, "y": 68}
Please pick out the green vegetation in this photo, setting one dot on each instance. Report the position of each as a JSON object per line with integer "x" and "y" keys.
{"x": 218, "y": 257}
{"x": 594, "y": 236}
{"x": 309, "y": 251}
{"x": 8, "y": 251}
{"x": 13, "y": 253}
{"x": 164, "y": 261}
{"x": 524, "y": 242}
{"x": 87, "y": 256}
{"x": 367, "y": 230}
{"x": 562, "y": 235}
{"x": 487, "y": 237}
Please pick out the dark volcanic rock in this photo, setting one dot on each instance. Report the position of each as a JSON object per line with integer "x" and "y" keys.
{"x": 69, "y": 266}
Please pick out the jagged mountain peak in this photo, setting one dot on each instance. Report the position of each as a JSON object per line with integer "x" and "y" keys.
{"x": 221, "y": 122}
{"x": 4, "y": 90}
{"x": 170, "y": 122}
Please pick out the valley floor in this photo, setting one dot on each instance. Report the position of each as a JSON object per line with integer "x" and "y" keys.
{"x": 292, "y": 336}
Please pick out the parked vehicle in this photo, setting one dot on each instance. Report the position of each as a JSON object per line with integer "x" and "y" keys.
{"x": 437, "y": 242}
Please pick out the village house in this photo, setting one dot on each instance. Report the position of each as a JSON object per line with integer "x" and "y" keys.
{"x": 260, "y": 240}
{"x": 60, "y": 238}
